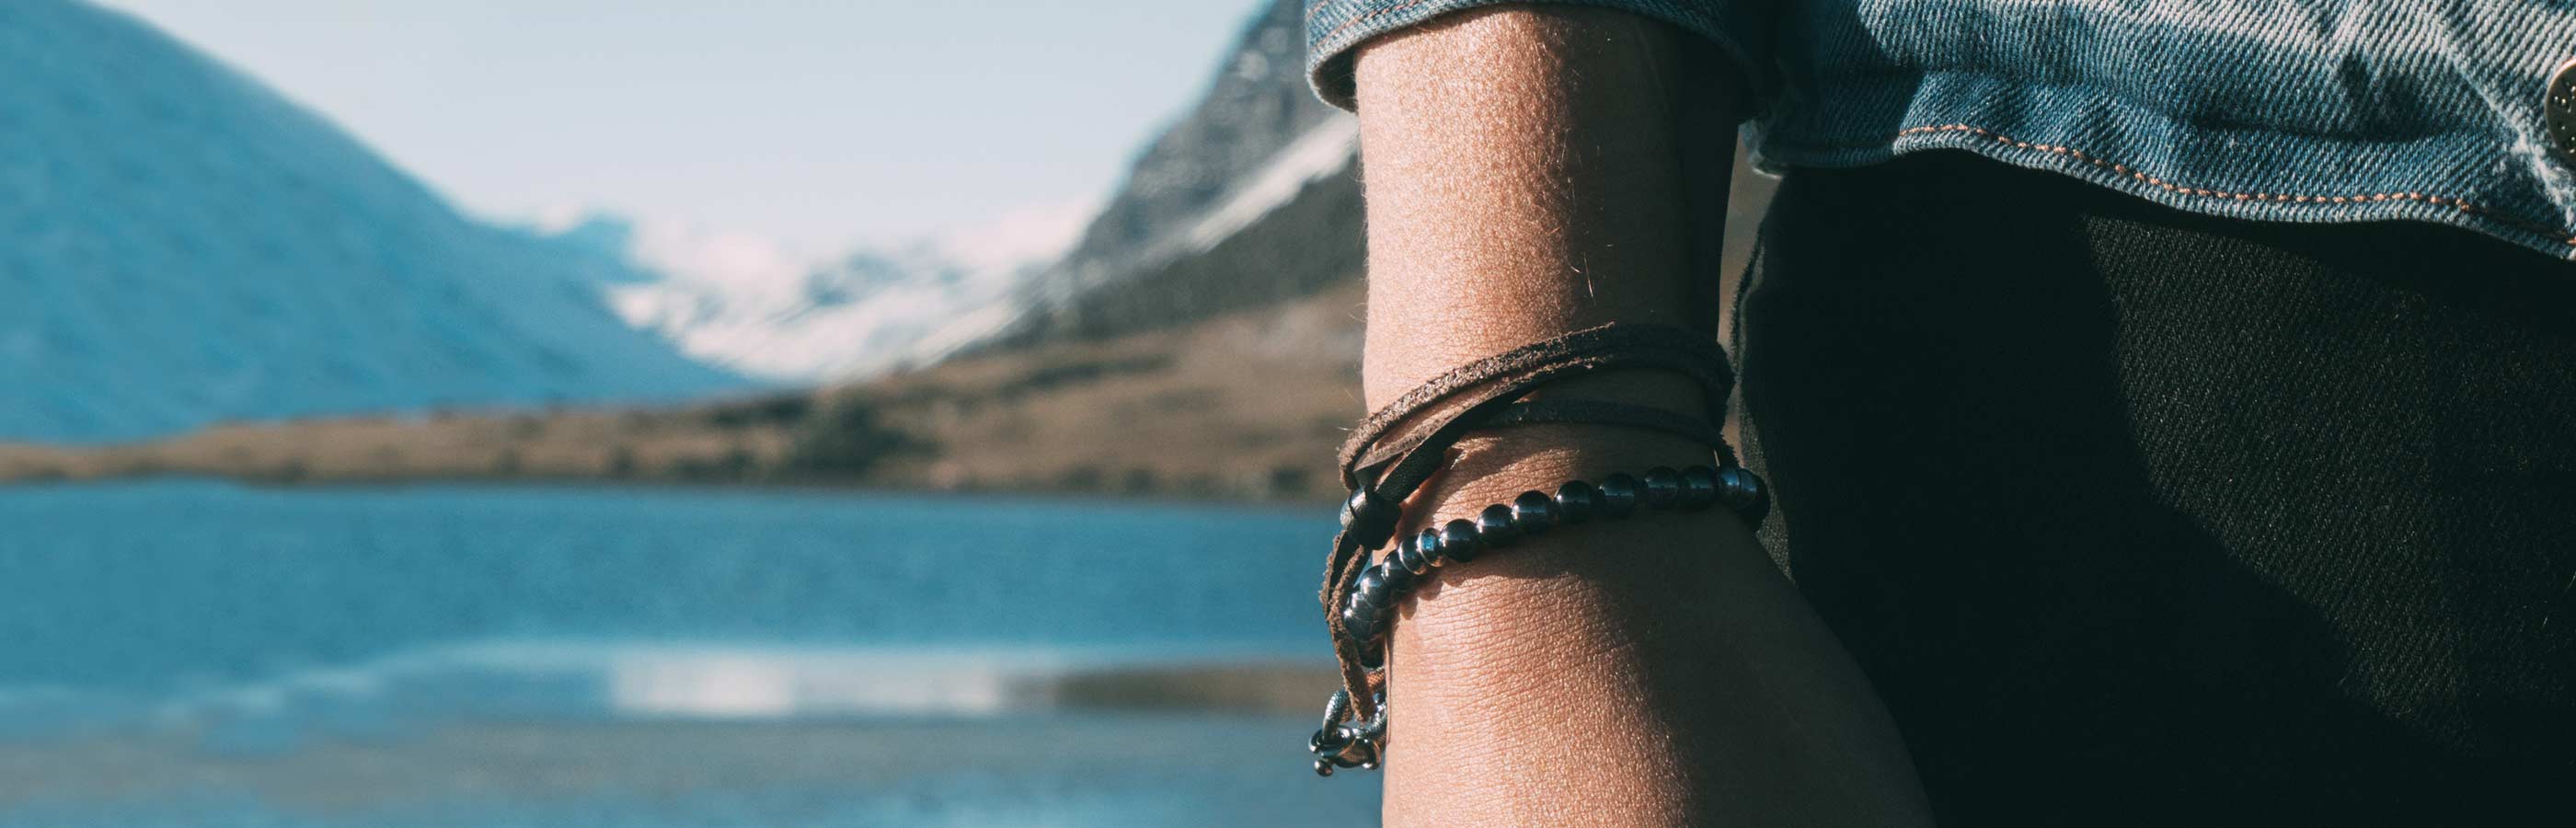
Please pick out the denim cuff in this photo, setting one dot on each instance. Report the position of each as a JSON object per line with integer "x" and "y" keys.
{"x": 1740, "y": 28}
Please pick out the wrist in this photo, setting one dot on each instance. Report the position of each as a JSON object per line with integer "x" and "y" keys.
{"x": 1589, "y": 646}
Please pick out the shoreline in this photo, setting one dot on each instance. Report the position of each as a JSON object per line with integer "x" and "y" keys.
{"x": 390, "y": 484}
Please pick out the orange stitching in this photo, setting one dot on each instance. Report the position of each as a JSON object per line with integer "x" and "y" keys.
{"x": 2461, "y": 205}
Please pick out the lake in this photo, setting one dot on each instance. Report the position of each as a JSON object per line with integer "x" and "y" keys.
{"x": 184, "y": 653}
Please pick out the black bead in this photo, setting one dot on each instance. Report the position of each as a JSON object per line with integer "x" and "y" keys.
{"x": 1495, "y": 526}
{"x": 1458, "y": 541}
{"x": 1663, "y": 487}
{"x": 1375, "y": 611}
{"x": 1429, "y": 543}
{"x": 1535, "y": 512}
{"x": 1744, "y": 493}
{"x": 1735, "y": 485}
{"x": 1360, "y": 621}
{"x": 1619, "y": 495}
{"x": 1372, "y": 588}
{"x": 1575, "y": 501}
{"x": 1398, "y": 579}
{"x": 1369, "y": 518}
{"x": 1412, "y": 557}
{"x": 1699, "y": 488}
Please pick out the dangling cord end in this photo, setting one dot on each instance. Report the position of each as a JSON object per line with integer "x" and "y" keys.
{"x": 1337, "y": 745}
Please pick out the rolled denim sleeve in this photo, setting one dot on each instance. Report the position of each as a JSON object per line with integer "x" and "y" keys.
{"x": 1741, "y": 28}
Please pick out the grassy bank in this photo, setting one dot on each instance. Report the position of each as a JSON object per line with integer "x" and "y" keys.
{"x": 1248, "y": 406}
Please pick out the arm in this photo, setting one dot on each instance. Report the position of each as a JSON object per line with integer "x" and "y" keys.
{"x": 1532, "y": 170}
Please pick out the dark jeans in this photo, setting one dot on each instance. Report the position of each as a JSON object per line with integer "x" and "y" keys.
{"x": 2135, "y": 516}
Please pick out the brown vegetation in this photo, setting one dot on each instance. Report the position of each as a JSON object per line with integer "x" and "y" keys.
{"x": 1248, "y": 405}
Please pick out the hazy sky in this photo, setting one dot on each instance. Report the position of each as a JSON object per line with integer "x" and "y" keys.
{"x": 819, "y": 123}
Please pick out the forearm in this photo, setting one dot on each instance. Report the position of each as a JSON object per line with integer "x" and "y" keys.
{"x": 1531, "y": 172}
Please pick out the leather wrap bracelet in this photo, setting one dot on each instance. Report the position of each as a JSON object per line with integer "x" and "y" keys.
{"x": 1383, "y": 586}
{"x": 1384, "y": 466}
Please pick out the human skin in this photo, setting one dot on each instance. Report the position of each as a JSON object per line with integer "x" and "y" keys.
{"x": 1534, "y": 170}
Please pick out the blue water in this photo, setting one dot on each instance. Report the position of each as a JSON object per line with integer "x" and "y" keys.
{"x": 195, "y": 653}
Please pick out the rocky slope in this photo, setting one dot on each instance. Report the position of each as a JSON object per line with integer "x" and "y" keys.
{"x": 186, "y": 247}
{"x": 1249, "y": 199}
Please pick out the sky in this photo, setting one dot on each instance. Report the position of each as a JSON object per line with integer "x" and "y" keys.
{"x": 816, "y": 125}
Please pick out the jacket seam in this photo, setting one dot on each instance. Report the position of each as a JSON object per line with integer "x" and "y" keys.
{"x": 1361, "y": 19}
{"x": 2463, "y": 205}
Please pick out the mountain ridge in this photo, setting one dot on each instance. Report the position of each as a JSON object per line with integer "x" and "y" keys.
{"x": 190, "y": 247}
{"x": 1249, "y": 198}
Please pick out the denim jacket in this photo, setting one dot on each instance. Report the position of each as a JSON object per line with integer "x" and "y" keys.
{"x": 2448, "y": 111}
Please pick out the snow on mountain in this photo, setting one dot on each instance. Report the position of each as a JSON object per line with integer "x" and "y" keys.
{"x": 750, "y": 305}
{"x": 179, "y": 246}
{"x": 1247, "y": 198}
{"x": 1325, "y": 149}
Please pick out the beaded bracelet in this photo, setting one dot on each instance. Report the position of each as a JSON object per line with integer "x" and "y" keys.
{"x": 1384, "y": 585}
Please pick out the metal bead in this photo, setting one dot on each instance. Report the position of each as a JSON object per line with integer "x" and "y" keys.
{"x": 1699, "y": 488}
{"x": 1495, "y": 525}
{"x": 1735, "y": 485}
{"x": 1575, "y": 501}
{"x": 1429, "y": 543}
{"x": 1744, "y": 492}
{"x": 1619, "y": 495}
{"x": 1459, "y": 542}
{"x": 1360, "y": 620}
{"x": 1372, "y": 589}
{"x": 1361, "y": 605}
{"x": 1398, "y": 579}
{"x": 1369, "y": 518}
{"x": 1663, "y": 487}
{"x": 1534, "y": 512}
{"x": 1412, "y": 557}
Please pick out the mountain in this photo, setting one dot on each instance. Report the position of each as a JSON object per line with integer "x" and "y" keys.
{"x": 742, "y": 303}
{"x": 866, "y": 314}
{"x": 1249, "y": 199}
{"x": 184, "y": 246}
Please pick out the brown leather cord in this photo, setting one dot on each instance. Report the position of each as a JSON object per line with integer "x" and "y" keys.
{"x": 1476, "y": 396}
{"x": 1577, "y": 412}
